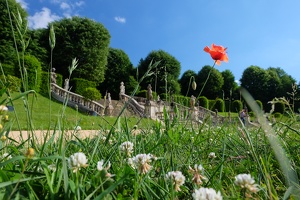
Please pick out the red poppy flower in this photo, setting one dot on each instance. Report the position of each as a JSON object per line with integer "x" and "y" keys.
{"x": 218, "y": 53}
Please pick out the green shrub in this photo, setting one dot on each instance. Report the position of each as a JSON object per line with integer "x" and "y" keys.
{"x": 13, "y": 83}
{"x": 236, "y": 106}
{"x": 279, "y": 107}
{"x": 8, "y": 69}
{"x": 219, "y": 105}
{"x": 277, "y": 115}
{"x": 211, "y": 104}
{"x": 92, "y": 94}
{"x": 78, "y": 85}
{"x": 203, "y": 102}
{"x": 183, "y": 100}
{"x": 259, "y": 103}
{"x": 144, "y": 93}
{"x": 34, "y": 69}
{"x": 45, "y": 83}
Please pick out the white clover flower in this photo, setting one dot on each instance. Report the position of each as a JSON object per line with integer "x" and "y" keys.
{"x": 197, "y": 173}
{"x": 206, "y": 194}
{"x": 127, "y": 147}
{"x": 77, "y": 128}
{"x": 76, "y": 161}
{"x": 100, "y": 165}
{"x": 177, "y": 179}
{"x": 6, "y": 156}
{"x": 141, "y": 163}
{"x": 52, "y": 167}
{"x": 3, "y": 108}
{"x": 212, "y": 155}
{"x": 246, "y": 181}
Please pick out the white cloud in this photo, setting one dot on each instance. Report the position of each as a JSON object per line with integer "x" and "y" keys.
{"x": 64, "y": 6}
{"x": 23, "y": 3}
{"x": 42, "y": 19}
{"x": 120, "y": 20}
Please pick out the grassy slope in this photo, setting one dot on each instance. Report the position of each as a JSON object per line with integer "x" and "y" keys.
{"x": 67, "y": 117}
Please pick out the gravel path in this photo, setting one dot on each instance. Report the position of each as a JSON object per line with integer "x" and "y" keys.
{"x": 40, "y": 135}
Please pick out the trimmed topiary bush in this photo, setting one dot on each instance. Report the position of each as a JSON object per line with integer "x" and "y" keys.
{"x": 33, "y": 69}
{"x": 92, "y": 94}
{"x": 14, "y": 83}
{"x": 203, "y": 102}
{"x": 183, "y": 100}
{"x": 78, "y": 85}
{"x": 259, "y": 103}
{"x": 8, "y": 69}
{"x": 219, "y": 105}
{"x": 279, "y": 107}
{"x": 277, "y": 115}
{"x": 236, "y": 106}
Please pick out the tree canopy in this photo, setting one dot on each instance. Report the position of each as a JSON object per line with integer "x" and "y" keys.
{"x": 8, "y": 51}
{"x": 80, "y": 38}
{"x": 186, "y": 83}
{"x": 167, "y": 71}
{"x": 214, "y": 84}
{"x": 119, "y": 70}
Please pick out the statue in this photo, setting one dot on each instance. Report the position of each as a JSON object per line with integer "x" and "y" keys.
{"x": 66, "y": 84}
{"x": 122, "y": 90}
{"x": 53, "y": 76}
{"x": 192, "y": 101}
{"x": 109, "y": 108}
{"x": 149, "y": 96}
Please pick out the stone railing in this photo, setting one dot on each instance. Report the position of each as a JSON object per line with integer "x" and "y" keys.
{"x": 76, "y": 101}
{"x": 134, "y": 105}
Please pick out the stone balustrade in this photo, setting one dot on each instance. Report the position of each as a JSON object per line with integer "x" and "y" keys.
{"x": 76, "y": 100}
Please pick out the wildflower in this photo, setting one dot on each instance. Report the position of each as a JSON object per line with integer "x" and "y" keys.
{"x": 3, "y": 138}
{"x": 141, "y": 163}
{"x": 6, "y": 118}
{"x": 30, "y": 153}
{"x": 212, "y": 155}
{"x": 246, "y": 181}
{"x": 197, "y": 173}
{"x": 217, "y": 53}
{"x": 3, "y": 108}
{"x": 6, "y": 155}
{"x": 127, "y": 147}
{"x": 206, "y": 194}
{"x": 177, "y": 178}
{"x": 76, "y": 161}
{"x": 52, "y": 167}
{"x": 1, "y": 126}
{"x": 100, "y": 167}
{"x": 77, "y": 128}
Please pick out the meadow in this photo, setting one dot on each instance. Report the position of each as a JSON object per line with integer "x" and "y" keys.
{"x": 147, "y": 161}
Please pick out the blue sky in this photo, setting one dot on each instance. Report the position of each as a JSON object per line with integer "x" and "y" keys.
{"x": 265, "y": 33}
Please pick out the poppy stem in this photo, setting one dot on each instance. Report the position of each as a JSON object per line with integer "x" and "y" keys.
{"x": 206, "y": 79}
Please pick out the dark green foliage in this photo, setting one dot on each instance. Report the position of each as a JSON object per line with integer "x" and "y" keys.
{"x": 78, "y": 85}
{"x": 81, "y": 38}
{"x": 119, "y": 70}
{"x": 167, "y": 71}
{"x": 214, "y": 84}
{"x": 186, "y": 83}
{"x": 132, "y": 84}
{"x": 8, "y": 69}
{"x": 259, "y": 103}
{"x": 92, "y": 94}
{"x": 229, "y": 85}
{"x": 183, "y": 100}
{"x": 279, "y": 107}
{"x": 13, "y": 83}
{"x": 31, "y": 72}
{"x": 44, "y": 87}
{"x": 277, "y": 115}
{"x": 236, "y": 106}
{"x": 7, "y": 47}
{"x": 203, "y": 102}
{"x": 219, "y": 105}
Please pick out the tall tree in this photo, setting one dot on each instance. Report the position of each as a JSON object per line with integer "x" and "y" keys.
{"x": 7, "y": 46}
{"x": 229, "y": 85}
{"x": 186, "y": 83}
{"x": 119, "y": 70}
{"x": 80, "y": 38}
{"x": 213, "y": 87}
{"x": 167, "y": 72}
{"x": 255, "y": 80}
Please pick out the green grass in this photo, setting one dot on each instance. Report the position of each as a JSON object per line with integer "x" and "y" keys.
{"x": 42, "y": 120}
